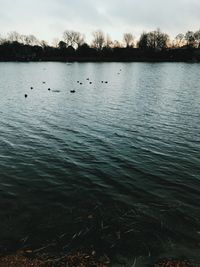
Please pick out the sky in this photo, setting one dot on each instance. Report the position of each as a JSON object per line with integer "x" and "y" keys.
{"x": 48, "y": 19}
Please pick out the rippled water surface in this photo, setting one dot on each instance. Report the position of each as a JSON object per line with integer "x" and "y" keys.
{"x": 115, "y": 165}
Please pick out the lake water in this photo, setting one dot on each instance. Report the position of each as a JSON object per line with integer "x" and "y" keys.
{"x": 114, "y": 166}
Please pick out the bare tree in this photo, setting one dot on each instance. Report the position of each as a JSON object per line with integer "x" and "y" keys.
{"x": 74, "y": 39}
{"x": 2, "y": 39}
{"x": 79, "y": 39}
{"x": 179, "y": 40}
{"x": 197, "y": 38}
{"x": 162, "y": 39}
{"x": 108, "y": 41}
{"x": 99, "y": 40}
{"x": 154, "y": 40}
{"x": 21, "y": 38}
{"x": 14, "y": 37}
{"x": 143, "y": 41}
{"x": 116, "y": 44}
{"x": 30, "y": 40}
{"x": 148, "y": 40}
{"x": 190, "y": 38}
{"x": 43, "y": 44}
{"x": 129, "y": 40}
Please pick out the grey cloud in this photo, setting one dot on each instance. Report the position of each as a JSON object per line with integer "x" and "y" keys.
{"x": 49, "y": 18}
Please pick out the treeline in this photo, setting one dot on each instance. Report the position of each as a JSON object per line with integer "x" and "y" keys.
{"x": 151, "y": 46}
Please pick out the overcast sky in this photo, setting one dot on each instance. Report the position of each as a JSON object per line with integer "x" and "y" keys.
{"x": 48, "y": 19}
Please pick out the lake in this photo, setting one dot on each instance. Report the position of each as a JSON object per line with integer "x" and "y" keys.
{"x": 114, "y": 166}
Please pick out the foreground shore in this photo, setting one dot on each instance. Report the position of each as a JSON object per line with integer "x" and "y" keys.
{"x": 28, "y": 258}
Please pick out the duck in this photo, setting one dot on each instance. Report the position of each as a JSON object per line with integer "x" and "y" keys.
{"x": 72, "y": 91}
{"x": 25, "y": 95}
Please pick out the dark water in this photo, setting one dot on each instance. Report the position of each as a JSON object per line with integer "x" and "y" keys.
{"x": 114, "y": 165}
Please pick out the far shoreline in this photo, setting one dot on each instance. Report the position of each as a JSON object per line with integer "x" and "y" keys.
{"x": 97, "y": 60}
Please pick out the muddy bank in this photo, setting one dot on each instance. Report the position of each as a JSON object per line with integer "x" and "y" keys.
{"x": 27, "y": 258}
